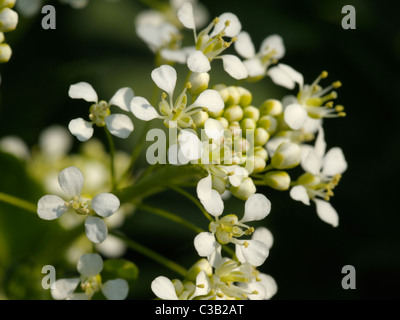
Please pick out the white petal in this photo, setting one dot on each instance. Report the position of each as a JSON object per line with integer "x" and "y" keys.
{"x": 299, "y": 193}
{"x": 203, "y": 285}
{"x": 258, "y": 288}
{"x": 119, "y": 125}
{"x": 273, "y": 42}
{"x": 83, "y": 90}
{"x": 185, "y": 15}
{"x": 320, "y": 144}
{"x": 285, "y": 76}
{"x": 51, "y": 207}
{"x": 210, "y": 99}
{"x": 211, "y": 199}
{"x": 163, "y": 288}
{"x": 264, "y": 235}
{"x": 295, "y": 116}
{"x": 244, "y": 46}
{"x": 142, "y": 109}
{"x": 237, "y": 174}
{"x": 90, "y": 264}
{"x": 326, "y": 212}
{"x": 96, "y": 229}
{"x": 257, "y": 207}
{"x": 71, "y": 181}
{"x": 81, "y": 129}
{"x": 205, "y": 244}
{"x": 190, "y": 145}
{"x": 179, "y": 56}
{"x": 115, "y": 289}
{"x": 334, "y": 162}
{"x": 175, "y": 156}
{"x": 311, "y": 163}
{"x": 55, "y": 141}
{"x": 105, "y": 204}
{"x": 122, "y": 98}
{"x": 16, "y": 146}
{"x": 269, "y": 284}
{"x": 255, "y": 253}
{"x": 234, "y": 67}
{"x": 64, "y": 288}
{"x": 232, "y": 30}
{"x": 198, "y": 62}
{"x": 255, "y": 68}
{"x": 204, "y": 187}
{"x": 165, "y": 78}
{"x": 78, "y": 296}
{"x": 213, "y": 129}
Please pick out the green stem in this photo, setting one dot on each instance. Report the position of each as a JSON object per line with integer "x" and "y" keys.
{"x": 194, "y": 200}
{"x": 170, "y": 216}
{"x": 151, "y": 254}
{"x": 17, "y": 202}
{"x": 112, "y": 156}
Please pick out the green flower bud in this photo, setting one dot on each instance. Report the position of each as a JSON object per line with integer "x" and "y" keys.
{"x": 7, "y": 3}
{"x": 268, "y": 123}
{"x": 8, "y": 20}
{"x": 278, "y": 180}
{"x": 233, "y": 113}
{"x": 251, "y": 112}
{"x": 261, "y": 136}
{"x": 271, "y": 107}
{"x": 5, "y": 52}
{"x": 255, "y": 164}
{"x": 200, "y": 118}
{"x": 286, "y": 156}
{"x": 261, "y": 152}
{"x": 247, "y": 123}
{"x": 218, "y": 184}
{"x": 199, "y": 82}
{"x": 201, "y": 265}
{"x": 224, "y": 93}
{"x": 245, "y": 189}
{"x": 234, "y": 96}
{"x": 235, "y": 128}
{"x": 245, "y": 96}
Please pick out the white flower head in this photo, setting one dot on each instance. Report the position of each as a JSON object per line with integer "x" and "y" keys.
{"x": 322, "y": 174}
{"x": 51, "y": 207}
{"x": 90, "y": 266}
{"x": 229, "y": 229}
{"x": 119, "y": 125}
{"x": 178, "y": 112}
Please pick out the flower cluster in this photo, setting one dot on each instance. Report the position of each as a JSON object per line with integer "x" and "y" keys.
{"x": 229, "y": 144}
{"x": 8, "y": 22}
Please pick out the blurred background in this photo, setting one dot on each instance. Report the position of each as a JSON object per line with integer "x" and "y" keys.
{"x": 98, "y": 45}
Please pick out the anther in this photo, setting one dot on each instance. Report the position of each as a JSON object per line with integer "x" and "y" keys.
{"x": 336, "y": 84}
{"x": 324, "y": 74}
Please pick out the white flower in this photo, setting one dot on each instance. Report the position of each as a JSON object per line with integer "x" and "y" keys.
{"x": 229, "y": 228}
{"x": 51, "y": 207}
{"x": 311, "y": 101}
{"x": 209, "y": 198}
{"x": 89, "y": 266}
{"x": 323, "y": 172}
{"x": 119, "y": 125}
{"x": 179, "y": 113}
{"x": 271, "y": 49}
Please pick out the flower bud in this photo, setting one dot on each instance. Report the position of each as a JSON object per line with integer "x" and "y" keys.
{"x": 200, "y": 118}
{"x": 286, "y": 156}
{"x": 268, "y": 123}
{"x": 247, "y": 124}
{"x": 271, "y": 107}
{"x": 245, "y": 96}
{"x": 255, "y": 164}
{"x": 261, "y": 152}
{"x": 7, "y": 3}
{"x": 224, "y": 122}
{"x": 261, "y": 137}
{"x": 233, "y": 96}
{"x": 201, "y": 265}
{"x": 251, "y": 112}
{"x": 245, "y": 189}
{"x": 8, "y": 20}
{"x": 233, "y": 113}
{"x": 278, "y": 180}
{"x": 199, "y": 82}
{"x": 5, "y": 52}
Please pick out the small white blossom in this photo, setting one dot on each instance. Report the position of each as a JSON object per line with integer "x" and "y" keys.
{"x": 89, "y": 266}
{"x": 119, "y": 125}
{"x": 323, "y": 172}
{"x": 229, "y": 229}
{"x": 51, "y": 207}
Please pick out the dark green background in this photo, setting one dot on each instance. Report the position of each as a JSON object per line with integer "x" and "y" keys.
{"x": 98, "y": 45}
